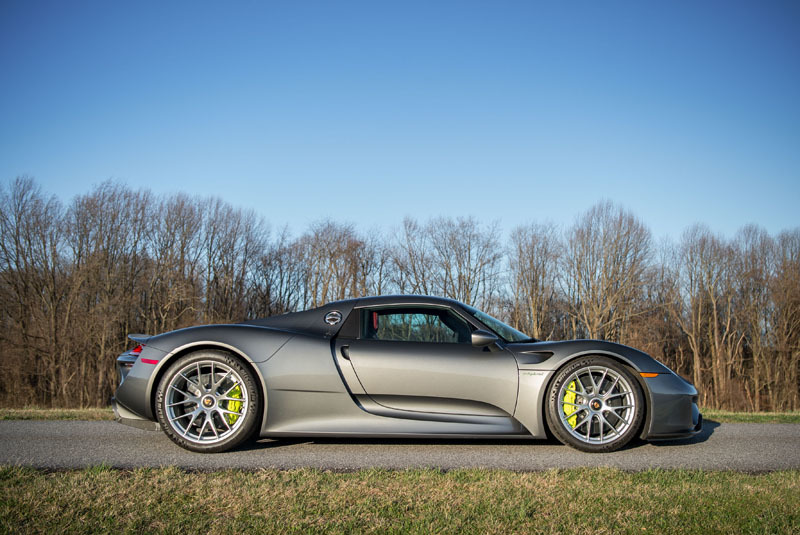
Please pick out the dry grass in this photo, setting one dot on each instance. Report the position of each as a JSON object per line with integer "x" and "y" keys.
{"x": 38, "y": 413}
{"x": 170, "y": 500}
{"x": 730, "y": 417}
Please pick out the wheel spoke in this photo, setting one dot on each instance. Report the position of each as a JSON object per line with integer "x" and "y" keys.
{"x": 184, "y": 402}
{"x": 618, "y": 407}
{"x": 222, "y": 419}
{"x": 210, "y": 419}
{"x": 228, "y": 391}
{"x": 203, "y": 427}
{"x": 181, "y": 416}
{"x": 613, "y": 385}
{"x": 191, "y": 422}
{"x": 226, "y": 411}
{"x": 580, "y": 383}
{"x": 582, "y": 421}
{"x": 218, "y": 383}
{"x": 231, "y": 399}
{"x": 197, "y": 386}
{"x": 172, "y": 386}
{"x": 609, "y": 424}
{"x": 594, "y": 385}
{"x": 603, "y": 378}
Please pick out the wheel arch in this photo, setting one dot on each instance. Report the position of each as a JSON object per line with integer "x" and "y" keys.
{"x": 193, "y": 347}
{"x": 628, "y": 364}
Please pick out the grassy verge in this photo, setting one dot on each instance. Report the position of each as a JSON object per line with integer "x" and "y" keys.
{"x": 170, "y": 500}
{"x": 36, "y": 413}
{"x": 728, "y": 417}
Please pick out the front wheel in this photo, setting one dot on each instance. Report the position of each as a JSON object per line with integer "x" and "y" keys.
{"x": 208, "y": 402}
{"x": 595, "y": 404}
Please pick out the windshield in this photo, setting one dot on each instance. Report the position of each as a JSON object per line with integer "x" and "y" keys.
{"x": 506, "y": 332}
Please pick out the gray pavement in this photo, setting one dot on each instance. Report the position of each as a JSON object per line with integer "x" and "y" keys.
{"x": 77, "y": 444}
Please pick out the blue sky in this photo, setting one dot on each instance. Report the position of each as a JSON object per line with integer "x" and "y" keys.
{"x": 371, "y": 111}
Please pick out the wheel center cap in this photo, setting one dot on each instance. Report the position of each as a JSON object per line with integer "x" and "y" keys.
{"x": 208, "y": 402}
{"x": 595, "y": 404}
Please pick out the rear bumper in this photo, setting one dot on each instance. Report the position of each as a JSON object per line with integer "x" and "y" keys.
{"x": 126, "y": 417}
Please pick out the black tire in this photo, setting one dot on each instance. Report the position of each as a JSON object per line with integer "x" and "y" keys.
{"x": 208, "y": 401}
{"x": 595, "y": 404}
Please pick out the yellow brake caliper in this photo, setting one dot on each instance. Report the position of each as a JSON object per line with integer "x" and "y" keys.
{"x": 234, "y": 406}
{"x": 569, "y": 397}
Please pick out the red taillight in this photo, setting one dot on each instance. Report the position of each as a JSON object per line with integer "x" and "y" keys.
{"x": 137, "y": 350}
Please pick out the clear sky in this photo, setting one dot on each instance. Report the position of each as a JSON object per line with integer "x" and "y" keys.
{"x": 370, "y": 111}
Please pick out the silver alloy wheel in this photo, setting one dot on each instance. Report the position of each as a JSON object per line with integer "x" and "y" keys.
{"x": 597, "y": 404}
{"x": 206, "y": 402}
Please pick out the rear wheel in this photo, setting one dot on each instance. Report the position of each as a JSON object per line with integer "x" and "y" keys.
{"x": 595, "y": 404}
{"x": 208, "y": 402}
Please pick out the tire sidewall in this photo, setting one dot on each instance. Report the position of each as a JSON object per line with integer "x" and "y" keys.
{"x": 553, "y": 411}
{"x": 245, "y": 430}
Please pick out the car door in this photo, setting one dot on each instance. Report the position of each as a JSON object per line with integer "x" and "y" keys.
{"x": 422, "y": 359}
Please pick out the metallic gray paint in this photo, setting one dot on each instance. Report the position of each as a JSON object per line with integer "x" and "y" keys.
{"x": 316, "y": 383}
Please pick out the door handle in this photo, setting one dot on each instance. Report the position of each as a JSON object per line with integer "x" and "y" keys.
{"x": 346, "y": 352}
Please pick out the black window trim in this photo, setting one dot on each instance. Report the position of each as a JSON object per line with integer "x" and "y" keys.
{"x": 357, "y": 310}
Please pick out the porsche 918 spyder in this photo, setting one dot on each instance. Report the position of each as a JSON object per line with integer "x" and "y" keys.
{"x": 396, "y": 366}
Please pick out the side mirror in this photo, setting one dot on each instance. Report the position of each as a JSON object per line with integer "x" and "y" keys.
{"x": 481, "y": 338}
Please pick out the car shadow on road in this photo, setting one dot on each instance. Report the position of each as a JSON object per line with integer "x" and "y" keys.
{"x": 283, "y": 442}
{"x": 269, "y": 443}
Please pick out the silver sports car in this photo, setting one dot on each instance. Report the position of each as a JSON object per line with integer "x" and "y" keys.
{"x": 396, "y": 366}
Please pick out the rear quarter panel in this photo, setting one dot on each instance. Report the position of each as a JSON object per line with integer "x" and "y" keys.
{"x": 253, "y": 344}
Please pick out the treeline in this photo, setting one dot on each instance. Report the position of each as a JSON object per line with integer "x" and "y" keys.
{"x": 75, "y": 279}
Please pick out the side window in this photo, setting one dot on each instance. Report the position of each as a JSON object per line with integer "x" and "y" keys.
{"x": 414, "y": 325}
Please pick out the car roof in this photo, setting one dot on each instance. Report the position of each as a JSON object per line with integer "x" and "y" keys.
{"x": 387, "y": 300}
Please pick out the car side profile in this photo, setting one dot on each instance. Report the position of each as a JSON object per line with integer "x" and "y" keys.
{"x": 396, "y": 366}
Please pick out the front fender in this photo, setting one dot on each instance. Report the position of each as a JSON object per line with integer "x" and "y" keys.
{"x": 539, "y": 361}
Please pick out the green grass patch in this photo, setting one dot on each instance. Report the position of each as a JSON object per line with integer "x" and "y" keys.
{"x": 170, "y": 500}
{"x": 38, "y": 413}
{"x": 729, "y": 417}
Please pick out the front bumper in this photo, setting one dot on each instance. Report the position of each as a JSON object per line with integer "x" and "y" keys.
{"x": 674, "y": 410}
{"x": 124, "y": 416}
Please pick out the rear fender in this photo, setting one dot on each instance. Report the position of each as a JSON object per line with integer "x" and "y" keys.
{"x": 253, "y": 345}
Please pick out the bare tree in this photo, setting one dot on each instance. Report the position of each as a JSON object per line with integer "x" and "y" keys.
{"x": 754, "y": 266}
{"x": 412, "y": 259}
{"x": 336, "y": 261}
{"x": 457, "y": 258}
{"x": 785, "y": 322}
{"x": 606, "y": 258}
{"x": 173, "y": 295}
{"x": 40, "y": 300}
{"x": 466, "y": 256}
{"x": 533, "y": 263}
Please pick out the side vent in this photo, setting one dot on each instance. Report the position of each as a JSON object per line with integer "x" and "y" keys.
{"x": 533, "y": 357}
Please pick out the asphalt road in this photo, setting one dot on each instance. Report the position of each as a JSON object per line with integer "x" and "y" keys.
{"x": 77, "y": 444}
